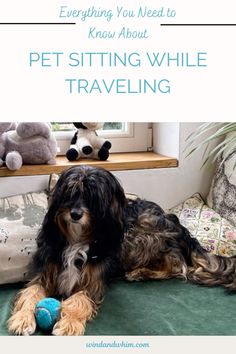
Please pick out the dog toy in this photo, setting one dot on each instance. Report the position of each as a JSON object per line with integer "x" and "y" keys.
{"x": 87, "y": 144}
{"x": 47, "y": 312}
{"x": 30, "y": 143}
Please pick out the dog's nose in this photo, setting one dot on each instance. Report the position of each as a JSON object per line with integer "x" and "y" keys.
{"x": 76, "y": 214}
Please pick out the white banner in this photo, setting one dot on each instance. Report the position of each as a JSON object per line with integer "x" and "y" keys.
{"x": 117, "y": 60}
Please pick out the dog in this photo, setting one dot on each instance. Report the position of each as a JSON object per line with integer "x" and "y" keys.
{"x": 92, "y": 234}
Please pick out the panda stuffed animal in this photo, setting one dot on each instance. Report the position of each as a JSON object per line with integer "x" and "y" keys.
{"x": 87, "y": 144}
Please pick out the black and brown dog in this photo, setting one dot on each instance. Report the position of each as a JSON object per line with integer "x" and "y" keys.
{"x": 91, "y": 234}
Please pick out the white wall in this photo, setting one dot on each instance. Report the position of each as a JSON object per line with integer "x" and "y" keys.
{"x": 170, "y": 186}
{"x": 167, "y": 186}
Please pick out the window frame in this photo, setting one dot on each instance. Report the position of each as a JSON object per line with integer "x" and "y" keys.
{"x": 134, "y": 139}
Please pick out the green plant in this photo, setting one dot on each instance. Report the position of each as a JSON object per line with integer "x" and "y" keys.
{"x": 207, "y": 133}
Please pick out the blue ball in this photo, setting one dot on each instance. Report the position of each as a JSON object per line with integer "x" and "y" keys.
{"x": 47, "y": 312}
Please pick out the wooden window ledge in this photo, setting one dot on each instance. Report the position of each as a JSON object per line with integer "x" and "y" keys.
{"x": 116, "y": 162}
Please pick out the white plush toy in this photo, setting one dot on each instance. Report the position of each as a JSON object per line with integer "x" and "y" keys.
{"x": 30, "y": 143}
{"x": 4, "y": 128}
{"x": 87, "y": 144}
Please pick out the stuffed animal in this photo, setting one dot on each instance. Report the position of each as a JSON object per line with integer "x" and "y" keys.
{"x": 4, "y": 128}
{"x": 86, "y": 143}
{"x": 30, "y": 143}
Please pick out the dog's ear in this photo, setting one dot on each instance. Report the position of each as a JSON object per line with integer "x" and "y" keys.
{"x": 118, "y": 203}
{"x": 50, "y": 244}
{"x": 115, "y": 221}
{"x": 112, "y": 227}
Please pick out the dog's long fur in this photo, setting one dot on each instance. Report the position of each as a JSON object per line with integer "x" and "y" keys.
{"x": 91, "y": 234}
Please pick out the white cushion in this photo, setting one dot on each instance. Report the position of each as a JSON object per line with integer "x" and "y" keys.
{"x": 20, "y": 219}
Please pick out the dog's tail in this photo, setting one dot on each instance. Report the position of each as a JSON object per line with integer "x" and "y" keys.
{"x": 203, "y": 267}
{"x": 210, "y": 269}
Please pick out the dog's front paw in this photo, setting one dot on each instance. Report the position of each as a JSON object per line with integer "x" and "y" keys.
{"x": 67, "y": 326}
{"x": 75, "y": 311}
{"x": 22, "y": 323}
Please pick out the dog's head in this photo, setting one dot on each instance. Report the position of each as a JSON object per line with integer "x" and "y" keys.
{"x": 87, "y": 204}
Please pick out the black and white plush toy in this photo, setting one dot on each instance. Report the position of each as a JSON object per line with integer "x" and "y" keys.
{"x": 87, "y": 144}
